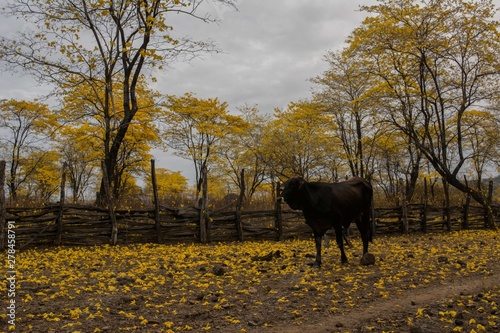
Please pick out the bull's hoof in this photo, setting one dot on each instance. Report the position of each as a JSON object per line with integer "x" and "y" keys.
{"x": 315, "y": 264}
{"x": 368, "y": 259}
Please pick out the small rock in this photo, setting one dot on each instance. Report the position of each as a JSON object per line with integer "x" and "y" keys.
{"x": 125, "y": 280}
{"x": 127, "y": 299}
{"x": 254, "y": 322}
{"x": 339, "y": 324}
{"x": 218, "y": 270}
{"x": 443, "y": 259}
{"x": 267, "y": 257}
{"x": 368, "y": 259}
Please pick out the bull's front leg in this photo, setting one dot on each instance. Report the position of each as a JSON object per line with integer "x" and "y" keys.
{"x": 340, "y": 243}
{"x": 317, "y": 240}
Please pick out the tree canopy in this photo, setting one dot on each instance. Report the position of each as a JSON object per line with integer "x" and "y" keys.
{"x": 412, "y": 95}
{"x": 434, "y": 62}
{"x": 105, "y": 45}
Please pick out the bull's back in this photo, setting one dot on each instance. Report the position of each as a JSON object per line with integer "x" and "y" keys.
{"x": 352, "y": 190}
{"x": 343, "y": 200}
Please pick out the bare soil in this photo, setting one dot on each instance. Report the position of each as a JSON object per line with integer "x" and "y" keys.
{"x": 392, "y": 314}
{"x": 446, "y": 282}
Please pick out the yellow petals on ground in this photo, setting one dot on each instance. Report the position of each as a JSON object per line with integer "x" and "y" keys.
{"x": 236, "y": 287}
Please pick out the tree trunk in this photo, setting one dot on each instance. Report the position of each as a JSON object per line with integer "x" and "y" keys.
{"x": 156, "y": 203}
{"x": 239, "y": 204}
{"x": 62, "y": 198}
{"x": 278, "y": 223}
{"x": 203, "y": 205}
{"x": 404, "y": 213}
{"x": 3, "y": 205}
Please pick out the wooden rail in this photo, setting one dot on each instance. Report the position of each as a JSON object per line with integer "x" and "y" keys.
{"x": 69, "y": 224}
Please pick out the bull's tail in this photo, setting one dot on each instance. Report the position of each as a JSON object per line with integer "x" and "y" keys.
{"x": 371, "y": 221}
{"x": 371, "y": 217}
{"x": 370, "y": 227}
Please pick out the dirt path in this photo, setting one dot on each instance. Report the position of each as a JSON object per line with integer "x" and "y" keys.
{"x": 396, "y": 308}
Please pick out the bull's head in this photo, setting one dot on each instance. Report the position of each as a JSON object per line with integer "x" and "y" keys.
{"x": 291, "y": 192}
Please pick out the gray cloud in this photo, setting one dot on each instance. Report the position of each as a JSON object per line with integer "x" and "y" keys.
{"x": 271, "y": 49}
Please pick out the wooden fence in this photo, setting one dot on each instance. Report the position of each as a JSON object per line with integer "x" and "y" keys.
{"x": 69, "y": 224}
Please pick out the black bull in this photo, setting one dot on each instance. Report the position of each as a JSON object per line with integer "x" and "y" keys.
{"x": 332, "y": 205}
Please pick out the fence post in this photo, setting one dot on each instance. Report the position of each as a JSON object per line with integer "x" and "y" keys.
{"x": 465, "y": 207}
{"x": 423, "y": 217}
{"x": 111, "y": 207}
{"x": 446, "y": 205}
{"x": 62, "y": 198}
{"x": 465, "y": 212}
{"x": 279, "y": 214}
{"x": 239, "y": 203}
{"x": 3, "y": 208}
{"x": 404, "y": 213}
{"x": 489, "y": 222}
{"x": 156, "y": 202}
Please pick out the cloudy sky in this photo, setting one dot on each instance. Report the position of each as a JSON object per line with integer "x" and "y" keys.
{"x": 270, "y": 51}
{"x": 271, "y": 48}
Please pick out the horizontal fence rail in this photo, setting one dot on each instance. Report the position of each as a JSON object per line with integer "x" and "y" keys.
{"x": 69, "y": 224}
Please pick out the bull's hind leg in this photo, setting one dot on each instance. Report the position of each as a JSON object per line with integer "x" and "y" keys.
{"x": 340, "y": 242}
{"x": 317, "y": 239}
{"x": 363, "y": 225}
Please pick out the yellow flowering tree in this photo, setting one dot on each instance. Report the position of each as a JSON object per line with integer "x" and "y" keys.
{"x": 434, "y": 61}
{"x": 299, "y": 140}
{"x": 26, "y": 124}
{"x": 87, "y": 129}
{"x": 106, "y": 45}
{"x": 194, "y": 128}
